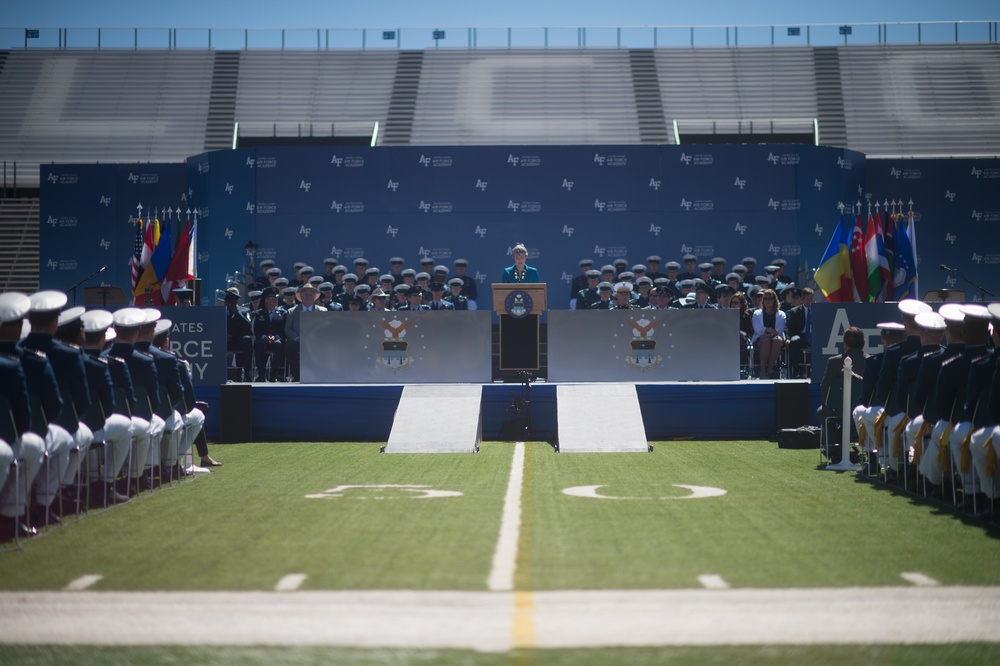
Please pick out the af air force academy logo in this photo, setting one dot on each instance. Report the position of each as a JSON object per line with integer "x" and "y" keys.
{"x": 642, "y": 348}
{"x": 518, "y": 304}
{"x": 395, "y": 356}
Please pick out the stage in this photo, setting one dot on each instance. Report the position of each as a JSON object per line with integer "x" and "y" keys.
{"x": 275, "y": 412}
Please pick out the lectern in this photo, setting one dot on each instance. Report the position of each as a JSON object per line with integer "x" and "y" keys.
{"x": 519, "y": 306}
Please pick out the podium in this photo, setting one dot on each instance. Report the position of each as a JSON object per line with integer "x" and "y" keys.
{"x": 519, "y": 306}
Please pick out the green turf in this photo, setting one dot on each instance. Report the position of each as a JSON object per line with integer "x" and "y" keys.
{"x": 909, "y": 655}
{"x": 782, "y": 523}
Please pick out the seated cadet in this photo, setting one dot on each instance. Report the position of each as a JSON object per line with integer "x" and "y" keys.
{"x": 690, "y": 271}
{"x": 191, "y": 415}
{"x": 426, "y": 265}
{"x": 832, "y": 386}
{"x": 306, "y": 295}
{"x": 457, "y": 300}
{"x": 653, "y": 268}
{"x": 141, "y": 386}
{"x": 643, "y": 286}
{"x": 360, "y": 266}
{"x": 673, "y": 274}
{"x": 923, "y": 407}
{"x": 469, "y": 288}
{"x": 316, "y": 281}
{"x": 750, "y": 267}
{"x": 265, "y": 266}
{"x": 423, "y": 280}
{"x": 364, "y": 292}
{"x": 354, "y": 303}
{"x": 639, "y": 271}
{"x": 623, "y": 297}
{"x": 386, "y": 283}
{"x": 254, "y": 297}
{"x": 371, "y": 277}
{"x": 288, "y": 298}
{"x": 329, "y": 264}
{"x": 718, "y": 270}
{"x": 379, "y": 300}
{"x": 326, "y": 295}
{"x": 409, "y": 277}
{"x": 779, "y": 275}
{"x": 109, "y": 423}
{"x": 350, "y": 284}
{"x": 741, "y": 271}
{"x": 620, "y": 265}
{"x": 71, "y": 377}
{"x": 306, "y": 273}
{"x": 269, "y": 333}
{"x": 414, "y": 300}
{"x": 608, "y": 274}
{"x": 439, "y": 274}
{"x": 171, "y": 391}
{"x": 396, "y": 270}
{"x": 588, "y": 295}
{"x": 872, "y": 402}
{"x": 705, "y": 273}
{"x": 297, "y": 278}
{"x": 724, "y": 296}
{"x": 339, "y": 273}
{"x": 985, "y": 440}
{"x": 977, "y": 384}
{"x": 24, "y": 444}
{"x": 948, "y": 389}
{"x": 437, "y": 301}
{"x": 604, "y": 301}
{"x": 399, "y": 295}
{"x": 579, "y": 282}
{"x": 273, "y": 275}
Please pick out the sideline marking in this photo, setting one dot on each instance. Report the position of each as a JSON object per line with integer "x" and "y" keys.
{"x": 919, "y": 579}
{"x": 697, "y": 492}
{"x": 423, "y": 492}
{"x": 83, "y": 582}
{"x": 290, "y": 583}
{"x": 713, "y": 582}
{"x": 501, "y": 577}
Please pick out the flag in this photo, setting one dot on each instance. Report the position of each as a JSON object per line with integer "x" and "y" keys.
{"x": 146, "y": 275}
{"x": 147, "y": 291}
{"x": 834, "y": 273}
{"x": 859, "y": 267}
{"x": 890, "y": 244}
{"x": 884, "y": 273}
{"x": 904, "y": 280}
{"x": 872, "y": 260}
{"x": 178, "y": 271}
{"x": 137, "y": 254}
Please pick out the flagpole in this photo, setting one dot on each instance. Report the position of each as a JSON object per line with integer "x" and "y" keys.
{"x": 911, "y": 229}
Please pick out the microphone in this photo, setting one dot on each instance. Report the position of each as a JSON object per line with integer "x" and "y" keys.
{"x": 103, "y": 268}
{"x": 945, "y": 268}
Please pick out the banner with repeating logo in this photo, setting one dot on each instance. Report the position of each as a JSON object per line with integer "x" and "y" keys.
{"x": 565, "y": 203}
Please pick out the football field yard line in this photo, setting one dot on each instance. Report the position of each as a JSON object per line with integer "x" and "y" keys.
{"x": 918, "y": 579}
{"x": 83, "y": 582}
{"x": 501, "y": 578}
{"x": 290, "y": 582}
{"x": 713, "y": 582}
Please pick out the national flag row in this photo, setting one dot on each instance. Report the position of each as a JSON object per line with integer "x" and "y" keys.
{"x": 163, "y": 256}
{"x": 869, "y": 260}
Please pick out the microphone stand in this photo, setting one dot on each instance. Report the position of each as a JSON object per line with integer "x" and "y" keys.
{"x": 983, "y": 292}
{"x": 72, "y": 289}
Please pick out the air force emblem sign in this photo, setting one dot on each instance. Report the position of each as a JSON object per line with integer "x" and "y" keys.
{"x": 518, "y": 304}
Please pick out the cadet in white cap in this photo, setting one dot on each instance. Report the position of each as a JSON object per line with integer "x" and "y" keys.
{"x": 193, "y": 418}
{"x": 147, "y": 427}
{"x": 171, "y": 390}
{"x": 109, "y": 425}
{"x": 976, "y": 387}
{"x": 892, "y": 334}
{"x": 64, "y": 436}
{"x": 985, "y": 442}
{"x": 951, "y": 379}
{"x": 20, "y": 443}
{"x": 928, "y": 361}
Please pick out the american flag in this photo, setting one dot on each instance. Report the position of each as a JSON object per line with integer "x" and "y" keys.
{"x": 137, "y": 254}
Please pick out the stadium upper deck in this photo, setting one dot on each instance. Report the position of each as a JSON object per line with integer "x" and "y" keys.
{"x": 163, "y": 105}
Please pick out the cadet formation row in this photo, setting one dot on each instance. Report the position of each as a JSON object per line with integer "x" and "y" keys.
{"x": 928, "y": 413}
{"x": 95, "y": 408}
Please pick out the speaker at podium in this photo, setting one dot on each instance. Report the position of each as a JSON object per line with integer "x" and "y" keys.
{"x": 519, "y": 306}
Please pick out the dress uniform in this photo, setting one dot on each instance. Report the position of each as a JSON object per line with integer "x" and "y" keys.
{"x": 437, "y": 302}
{"x": 22, "y": 443}
{"x": 579, "y": 282}
{"x": 623, "y": 297}
{"x": 718, "y": 269}
{"x": 105, "y": 418}
{"x": 469, "y": 288}
{"x": 239, "y": 334}
{"x": 985, "y": 440}
{"x": 396, "y": 270}
{"x": 690, "y": 266}
{"x": 870, "y": 407}
{"x": 457, "y": 300}
{"x": 168, "y": 384}
{"x": 589, "y": 295}
{"x": 191, "y": 417}
{"x": 414, "y": 300}
{"x": 653, "y": 268}
{"x": 269, "y": 333}
{"x": 604, "y": 301}
{"x": 750, "y": 265}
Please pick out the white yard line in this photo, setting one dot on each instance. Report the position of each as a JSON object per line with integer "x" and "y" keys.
{"x": 482, "y": 620}
{"x": 918, "y": 579}
{"x": 83, "y": 582}
{"x": 290, "y": 582}
{"x": 501, "y": 578}
{"x": 713, "y": 582}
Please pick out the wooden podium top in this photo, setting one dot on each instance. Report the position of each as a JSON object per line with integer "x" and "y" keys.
{"x": 536, "y": 290}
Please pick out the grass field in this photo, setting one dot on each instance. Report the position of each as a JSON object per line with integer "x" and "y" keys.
{"x": 781, "y": 524}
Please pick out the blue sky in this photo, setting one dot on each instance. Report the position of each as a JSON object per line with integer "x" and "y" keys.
{"x": 446, "y": 13}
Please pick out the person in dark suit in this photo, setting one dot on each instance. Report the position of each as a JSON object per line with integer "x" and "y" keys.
{"x": 799, "y": 326}
{"x": 520, "y": 271}
{"x": 579, "y": 282}
{"x": 469, "y": 289}
{"x": 269, "y": 333}
{"x": 832, "y": 386}
{"x": 239, "y": 333}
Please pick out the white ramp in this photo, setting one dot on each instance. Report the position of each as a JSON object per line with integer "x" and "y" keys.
{"x": 437, "y": 418}
{"x": 599, "y": 418}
